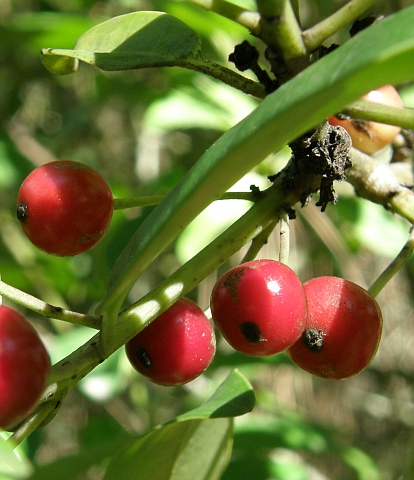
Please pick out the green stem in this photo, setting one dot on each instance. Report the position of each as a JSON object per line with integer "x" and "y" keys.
{"x": 144, "y": 201}
{"x": 151, "y": 200}
{"x": 245, "y": 18}
{"x": 376, "y": 112}
{"x": 225, "y": 75}
{"x": 258, "y": 242}
{"x": 47, "y": 310}
{"x": 262, "y": 214}
{"x": 280, "y": 29}
{"x": 314, "y": 37}
{"x": 394, "y": 266}
{"x": 29, "y": 426}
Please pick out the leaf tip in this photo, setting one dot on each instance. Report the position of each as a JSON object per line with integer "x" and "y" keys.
{"x": 57, "y": 63}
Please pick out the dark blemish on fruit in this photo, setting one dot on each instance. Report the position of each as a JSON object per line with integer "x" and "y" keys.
{"x": 231, "y": 282}
{"x": 21, "y": 212}
{"x": 251, "y": 332}
{"x": 143, "y": 358}
{"x": 312, "y": 338}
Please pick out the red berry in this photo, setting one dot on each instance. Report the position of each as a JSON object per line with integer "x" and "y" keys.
{"x": 259, "y": 307}
{"x": 24, "y": 367}
{"x": 369, "y": 137}
{"x": 343, "y": 329}
{"x": 64, "y": 207}
{"x": 176, "y": 347}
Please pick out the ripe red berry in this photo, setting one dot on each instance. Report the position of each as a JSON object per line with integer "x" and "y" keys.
{"x": 370, "y": 137}
{"x": 176, "y": 347}
{"x": 343, "y": 329}
{"x": 64, "y": 207}
{"x": 24, "y": 367}
{"x": 259, "y": 307}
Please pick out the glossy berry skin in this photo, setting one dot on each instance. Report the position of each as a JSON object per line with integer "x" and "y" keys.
{"x": 24, "y": 367}
{"x": 370, "y": 137}
{"x": 343, "y": 329}
{"x": 64, "y": 207}
{"x": 259, "y": 307}
{"x": 176, "y": 347}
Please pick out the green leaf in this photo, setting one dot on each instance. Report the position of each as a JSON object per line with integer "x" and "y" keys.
{"x": 179, "y": 451}
{"x": 13, "y": 464}
{"x": 134, "y": 40}
{"x": 192, "y": 442}
{"x": 235, "y": 396}
{"x": 302, "y": 103}
{"x": 60, "y": 65}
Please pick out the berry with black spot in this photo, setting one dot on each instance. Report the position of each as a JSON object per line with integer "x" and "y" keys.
{"x": 343, "y": 329}
{"x": 64, "y": 207}
{"x": 176, "y": 347}
{"x": 259, "y": 307}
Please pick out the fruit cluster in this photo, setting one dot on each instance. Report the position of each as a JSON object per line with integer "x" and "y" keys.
{"x": 329, "y": 326}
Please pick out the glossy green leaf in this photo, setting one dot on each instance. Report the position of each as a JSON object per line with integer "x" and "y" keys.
{"x": 192, "y": 442}
{"x": 321, "y": 90}
{"x": 183, "y": 450}
{"x": 235, "y": 396}
{"x": 13, "y": 464}
{"x": 134, "y": 40}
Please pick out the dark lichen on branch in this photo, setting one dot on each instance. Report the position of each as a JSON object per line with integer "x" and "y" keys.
{"x": 319, "y": 158}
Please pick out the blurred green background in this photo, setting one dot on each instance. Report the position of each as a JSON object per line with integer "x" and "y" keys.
{"x": 142, "y": 130}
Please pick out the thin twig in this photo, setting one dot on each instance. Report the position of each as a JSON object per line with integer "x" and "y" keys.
{"x": 151, "y": 200}
{"x": 245, "y": 18}
{"x": 227, "y": 76}
{"x": 398, "y": 262}
{"x": 258, "y": 242}
{"x": 50, "y": 311}
{"x": 316, "y": 35}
